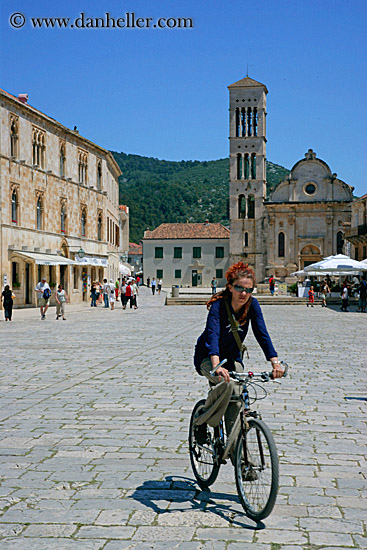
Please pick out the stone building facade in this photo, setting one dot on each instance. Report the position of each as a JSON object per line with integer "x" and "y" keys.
{"x": 356, "y": 233}
{"x": 303, "y": 218}
{"x": 58, "y": 194}
{"x": 186, "y": 254}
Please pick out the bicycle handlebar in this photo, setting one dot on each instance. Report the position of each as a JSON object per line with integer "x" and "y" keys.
{"x": 264, "y": 376}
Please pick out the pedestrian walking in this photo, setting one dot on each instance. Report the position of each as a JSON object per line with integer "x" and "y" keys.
{"x": 135, "y": 293}
{"x": 271, "y": 285}
{"x": 106, "y": 293}
{"x": 138, "y": 280}
{"x": 128, "y": 294}
{"x": 159, "y": 285}
{"x": 43, "y": 294}
{"x": 213, "y": 284}
{"x": 61, "y": 299}
{"x": 117, "y": 288}
{"x": 112, "y": 295}
{"x": 311, "y": 297}
{"x": 154, "y": 285}
{"x": 362, "y": 295}
{"x": 123, "y": 293}
{"x": 324, "y": 291}
{"x": 93, "y": 295}
{"x": 344, "y": 297}
{"x": 8, "y": 297}
{"x": 148, "y": 282}
{"x": 100, "y": 293}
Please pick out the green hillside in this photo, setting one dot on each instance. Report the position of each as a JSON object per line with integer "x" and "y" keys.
{"x": 158, "y": 191}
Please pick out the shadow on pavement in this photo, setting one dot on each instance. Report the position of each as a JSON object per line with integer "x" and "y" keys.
{"x": 185, "y": 490}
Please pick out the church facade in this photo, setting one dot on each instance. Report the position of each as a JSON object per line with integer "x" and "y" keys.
{"x": 302, "y": 220}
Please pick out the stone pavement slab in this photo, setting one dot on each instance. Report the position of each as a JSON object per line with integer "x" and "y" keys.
{"x": 94, "y": 414}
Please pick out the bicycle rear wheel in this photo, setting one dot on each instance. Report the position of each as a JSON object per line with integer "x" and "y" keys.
{"x": 203, "y": 463}
{"x": 257, "y": 477}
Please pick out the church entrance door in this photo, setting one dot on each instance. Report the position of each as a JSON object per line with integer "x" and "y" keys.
{"x": 309, "y": 255}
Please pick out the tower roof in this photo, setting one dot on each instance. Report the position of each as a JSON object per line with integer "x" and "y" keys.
{"x": 248, "y": 82}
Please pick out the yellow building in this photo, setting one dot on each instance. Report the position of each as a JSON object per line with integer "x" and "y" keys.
{"x": 58, "y": 196}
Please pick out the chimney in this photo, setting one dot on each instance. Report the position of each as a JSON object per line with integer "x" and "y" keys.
{"x": 23, "y": 98}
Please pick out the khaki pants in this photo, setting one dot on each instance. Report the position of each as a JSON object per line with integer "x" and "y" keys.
{"x": 60, "y": 308}
{"x": 218, "y": 400}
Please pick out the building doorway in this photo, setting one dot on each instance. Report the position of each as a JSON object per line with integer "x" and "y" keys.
{"x": 194, "y": 277}
{"x": 63, "y": 278}
{"x": 309, "y": 255}
{"x": 28, "y": 283}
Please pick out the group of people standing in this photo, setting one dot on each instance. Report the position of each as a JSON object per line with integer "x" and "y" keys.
{"x": 109, "y": 292}
{"x": 154, "y": 285}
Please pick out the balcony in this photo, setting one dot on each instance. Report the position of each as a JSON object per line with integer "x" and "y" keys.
{"x": 356, "y": 231}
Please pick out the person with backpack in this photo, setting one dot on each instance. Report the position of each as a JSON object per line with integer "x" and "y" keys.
{"x": 43, "y": 293}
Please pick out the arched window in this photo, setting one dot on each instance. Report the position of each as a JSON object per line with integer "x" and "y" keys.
{"x": 239, "y": 166}
{"x": 38, "y": 148}
{"x": 255, "y": 121}
{"x": 242, "y": 206}
{"x": 39, "y": 211}
{"x": 281, "y": 239}
{"x": 100, "y": 227}
{"x": 99, "y": 176}
{"x": 243, "y": 122}
{"x": 249, "y": 122}
{"x": 247, "y": 167}
{"x": 238, "y": 123}
{"x": 62, "y": 160}
{"x": 339, "y": 242}
{"x": 246, "y": 239}
{"x": 251, "y": 207}
{"x": 83, "y": 167}
{"x": 14, "y": 137}
{"x": 253, "y": 166}
{"x": 63, "y": 218}
{"x": 84, "y": 222}
{"x": 14, "y": 207}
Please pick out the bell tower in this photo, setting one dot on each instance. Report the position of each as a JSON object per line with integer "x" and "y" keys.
{"x": 247, "y": 172}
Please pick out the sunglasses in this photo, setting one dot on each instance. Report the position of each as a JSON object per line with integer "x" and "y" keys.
{"x": 248, "y": 290}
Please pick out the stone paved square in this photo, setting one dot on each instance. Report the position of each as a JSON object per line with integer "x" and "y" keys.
{"x": 94, "y": 414}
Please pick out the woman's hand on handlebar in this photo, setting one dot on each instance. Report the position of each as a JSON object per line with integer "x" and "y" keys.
{"x": 223, "y": 373}
{"x": 278, "y": 370}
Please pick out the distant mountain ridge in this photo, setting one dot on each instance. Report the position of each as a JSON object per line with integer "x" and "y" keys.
{"x": 159, "y": 191}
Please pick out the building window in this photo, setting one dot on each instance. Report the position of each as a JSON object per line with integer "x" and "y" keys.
{"x": 82, "y": 167}
{"x": 62, "y": 160}
{"x": 356, "y": 253}
{"x": 239, "y": 166}
{"x": 99, "y": 175}
{"x": 251, "y": 207}
{"x": 14, "y": 207}
{"x": 158, "y": 252}
{"x": 253, "y": 166}
{"x": 39, "y": 211}
{"x": 364, "y": 253}
{"x": 219, "y": 251}
{"x": 247, "y": 167}
{"x": 196, "y": 252}
{"x": 237, "y": 123}
{"x": 63, "y": 218}
{"x": 339, "y": 242}
{"x": 75, "y": 277}
{"x": 255, "y": 122}
{"x": 246, "y": 239}
{"x": 177, "y": 273}
{"x": 219, "y": 273}
{"x": 243, "y": 122}
{"x": 177, "y": 252}
{"x": 99, "y": 228}
{"x": 14, "y": 124}
{"x": 15, "y": 273}
{"x": 38, "y": 148}
{"x": 249, "y": 122}
{"x": 281, "y": 245}
{"x": 84, "y": 222}
{"x": 242, "y": 206}
{"x": 159, "y": 273}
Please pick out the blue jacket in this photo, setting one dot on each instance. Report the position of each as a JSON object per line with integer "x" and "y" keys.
{"x": 217, "y": 338}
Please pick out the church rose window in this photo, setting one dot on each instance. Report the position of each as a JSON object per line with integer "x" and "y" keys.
{"x": 310, "y": 188}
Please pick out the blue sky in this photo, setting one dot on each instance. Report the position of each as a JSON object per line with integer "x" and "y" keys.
{"x": 163, "y": 92}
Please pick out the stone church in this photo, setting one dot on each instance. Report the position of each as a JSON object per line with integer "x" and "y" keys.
{"x": 302, "y": 220}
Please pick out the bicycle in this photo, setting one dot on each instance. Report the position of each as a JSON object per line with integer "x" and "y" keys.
{"x": 256, "y": 462}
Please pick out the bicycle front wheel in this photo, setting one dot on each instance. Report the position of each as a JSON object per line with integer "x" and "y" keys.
{"x": 257, "y": 470}
{"x": 201, "y": 445}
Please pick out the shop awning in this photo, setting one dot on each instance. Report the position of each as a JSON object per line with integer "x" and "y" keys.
{"x": 44, "y": 259}
{"x": 91, "y": 260}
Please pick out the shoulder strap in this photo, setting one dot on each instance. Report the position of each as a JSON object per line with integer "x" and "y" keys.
{"x": 234, "y": 327}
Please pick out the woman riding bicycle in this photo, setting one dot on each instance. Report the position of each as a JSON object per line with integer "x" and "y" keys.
{"x": 230, "y": 313}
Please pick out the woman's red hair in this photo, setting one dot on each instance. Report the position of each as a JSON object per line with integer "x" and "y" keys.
{"x": 236, "y": 271}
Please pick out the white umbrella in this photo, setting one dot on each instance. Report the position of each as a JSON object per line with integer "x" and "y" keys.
{"x": 336, "y": 265}
{"x": 124, "y": 270}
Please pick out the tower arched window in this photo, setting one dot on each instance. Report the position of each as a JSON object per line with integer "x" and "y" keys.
{"x": 339, "y": 242}
{"x": 246, "y": 239}
{"x": 63, "y": 218}
{"x": 239, "y": 166}
{"x": 84, "y": 222}
{"x": 243, "y": 122}
{"x": 251, "y": 207}
{"x": 82, "y": 167}
{"x": 38, "y": 148}
{"x": 247, "y": 167}
{"x": 238, "y": 123}
{"x": 99, "y": 176}
{"x": 99, "y": 227}
{"x": 253, "y": 166}
{"x": 281, "y": 248}
{"x": 14, "y": 207}
{"x": 14, "y": 137}
{"x": 62, "y": 160}
{"x": 254, "y": 122}
{"x": 39, "y": 212}
{"x": 249, "y": 121}
{"x": 242, "y": 206}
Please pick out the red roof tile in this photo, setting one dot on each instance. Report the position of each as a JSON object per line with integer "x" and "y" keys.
{"x": 188, "y": 231}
